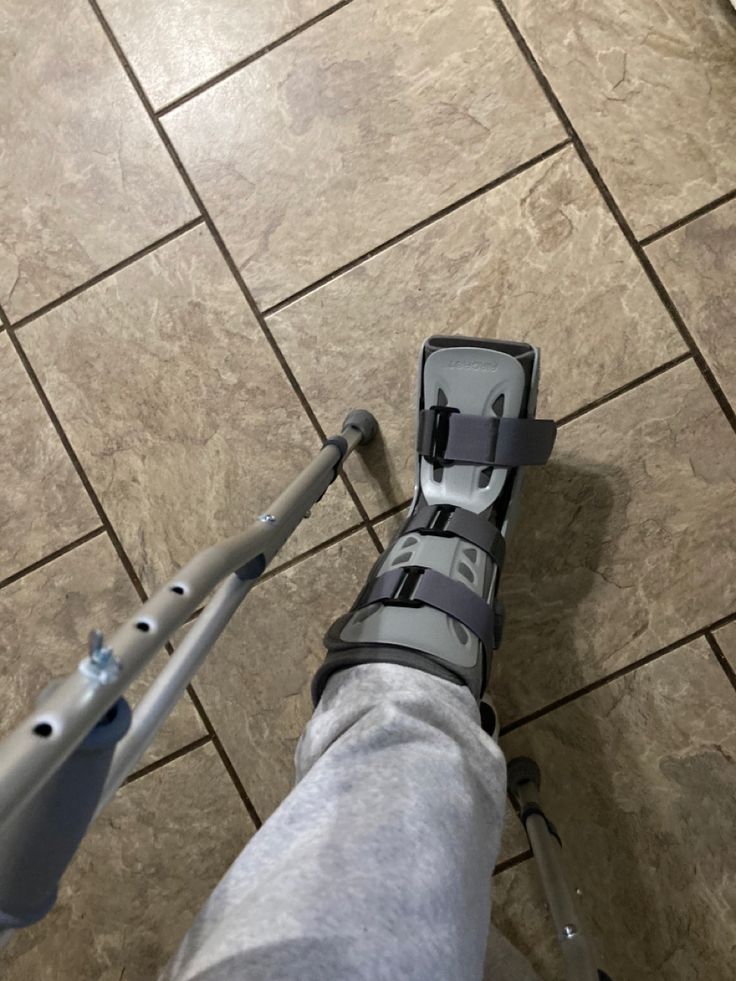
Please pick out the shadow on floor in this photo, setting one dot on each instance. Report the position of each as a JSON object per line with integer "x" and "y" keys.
{"x": 555, "y": 555}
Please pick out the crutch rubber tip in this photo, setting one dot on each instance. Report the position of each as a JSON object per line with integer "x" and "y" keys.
{"x": 364, "y": 421}
{"x": 522, "y": 770}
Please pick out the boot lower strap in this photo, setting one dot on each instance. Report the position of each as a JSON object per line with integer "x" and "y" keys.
{"x": 420, "y": 586}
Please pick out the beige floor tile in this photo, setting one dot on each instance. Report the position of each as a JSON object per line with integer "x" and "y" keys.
{"x": 698, "y": 266}
{"x": 639, "y": 778}
{"x": 650, "y": 91}
{"x": 622, "y": 541}
{"x": 388, "y": 528}
{"x": 43, "y": 504}
{"x": 538, "y": 259}
{"x": 176, "y": 46}
{"x": 141, "y": 876}
{"x": 520, "y": 913}
{"x": 726, "y": 638}
{"x": 255, "y": 688}
{"x": 513, "y": 837}
{"x": 46, "y": 618}
{"x": 176, "y": 405}
{"x": 376, "y": 117}
{"x": 86, "y": 181}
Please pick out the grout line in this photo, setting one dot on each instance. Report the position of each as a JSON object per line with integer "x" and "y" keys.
{"x": 226, "y": 761}
{"x": 430, "y": 220}
{"x": 81, "y": 473}
{"x": 106, "y": 273}
{"x": 562, "y": 421}
{"x": 373, "y": 535}
{"x": 395, "y": 509}
{"x": 176, "y": 755}
{"x": 686, "y": 219}
{"x": 721, "y": 658}
{"x": 52, "y": 556}
{"x": 216, "y": 741}
{"x": 128, "y": 566}
{"x": 297, "y": 560}
{"x": 600, "y": 682}
{"x": 249, "y": 59}
{"x": 722, "y": 622}
{"x": 206, "y": 218}
{"x": 219, "y": 241}
{"x": 314, "y": 550}
{"x": 189, "y": 621}
{"x": 624, "y": 389}
{"x": 360, "y": 508}
{"x": 511, "y": 862}
{"x": 618, "y": 216}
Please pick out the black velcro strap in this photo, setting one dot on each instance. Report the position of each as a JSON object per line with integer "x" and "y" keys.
{"x": 447, "y": 521}
{"x": 417, "y": 585}
{"x": 448, "y": 436}
{"x": 432, "y": 430}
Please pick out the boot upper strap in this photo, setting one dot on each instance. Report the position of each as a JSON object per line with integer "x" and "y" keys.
{"x": 420, "y": 586}
{"x": 448, "y": 521}
{"x": 446, "y": 435}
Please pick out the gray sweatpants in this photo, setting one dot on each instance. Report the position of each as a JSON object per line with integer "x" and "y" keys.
{"x": 378, "y": 864}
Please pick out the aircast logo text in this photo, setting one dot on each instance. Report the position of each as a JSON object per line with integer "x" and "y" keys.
{"x": 475, "y": 365}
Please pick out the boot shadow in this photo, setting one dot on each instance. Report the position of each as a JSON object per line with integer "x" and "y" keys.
{"x": 559, "y": 568}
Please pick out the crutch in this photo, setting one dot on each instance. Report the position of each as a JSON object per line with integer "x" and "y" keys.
{"x": 523, "y": 784}
{"x": 62, "y": 764}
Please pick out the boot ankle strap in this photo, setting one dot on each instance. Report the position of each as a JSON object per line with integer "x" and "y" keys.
{"x": 450, "y": 521}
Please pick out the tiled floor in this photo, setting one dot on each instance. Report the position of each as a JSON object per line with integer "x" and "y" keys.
{"x": 221, "y": 225}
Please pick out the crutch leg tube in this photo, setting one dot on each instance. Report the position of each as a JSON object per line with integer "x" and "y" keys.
{"x": 38, "y": 842}
{"x": 59, "y": 766}
{"x": 523, "y": 785}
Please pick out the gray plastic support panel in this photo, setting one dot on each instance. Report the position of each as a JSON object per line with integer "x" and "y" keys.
{"x": 453, "y": 557}
{"x": 425, "y": 628}
{"x": 472, "y": 380}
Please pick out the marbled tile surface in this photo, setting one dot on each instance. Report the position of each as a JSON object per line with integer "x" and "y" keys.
{"x": 388, "y": 528}
{"x": 176, "y": 46}
{"x": 537, "y": 259}
{"x": 46, "y": 617}
{"x": 622, "y": 541}
{"x": 726, "y": 639}
{"x": 520, "y": 913}
{"x": 640, "y": 780}
{"x": 142, "y": 874}
{"x": 43, "y": 504}
{"x": 650, "y": 89}
{"x": 85, "y": 179}
{"x": 405, "y": 157}
{"x": 176, "y": 405}
{"x": 698, "y": 266}
{"x": 375, "y": 118}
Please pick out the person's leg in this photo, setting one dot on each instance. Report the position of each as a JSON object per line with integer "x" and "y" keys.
{"x": 378, "y": 864}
